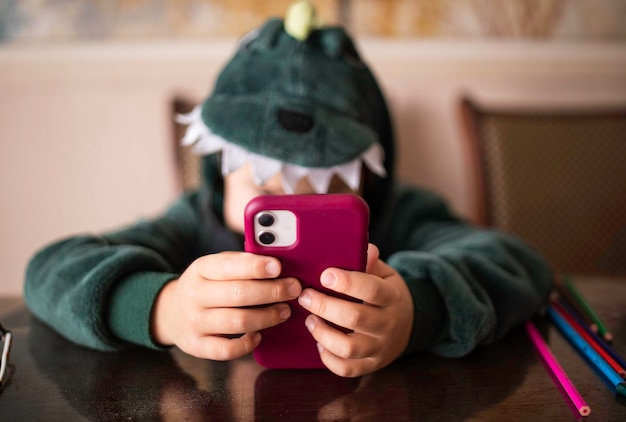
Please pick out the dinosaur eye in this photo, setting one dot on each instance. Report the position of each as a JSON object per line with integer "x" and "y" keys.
{"x": 294, "y": 121}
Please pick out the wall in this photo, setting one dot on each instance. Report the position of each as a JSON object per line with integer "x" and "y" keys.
{"x": 53, "y": 20}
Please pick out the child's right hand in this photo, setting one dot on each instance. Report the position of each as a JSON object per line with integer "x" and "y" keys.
{"x": 205, "y": 310}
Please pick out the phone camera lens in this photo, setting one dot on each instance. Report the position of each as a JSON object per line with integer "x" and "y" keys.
{"x": 266, "y": 219}
{"x": 267, "y": 238}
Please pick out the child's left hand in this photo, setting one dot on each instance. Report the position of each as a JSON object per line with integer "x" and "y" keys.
{"x": 381, "y": 324}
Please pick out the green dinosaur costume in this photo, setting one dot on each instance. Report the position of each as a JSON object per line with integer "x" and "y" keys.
{"x": 304, "y": 104}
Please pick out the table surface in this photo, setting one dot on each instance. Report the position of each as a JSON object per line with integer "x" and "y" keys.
{"x": 52, "y": 379}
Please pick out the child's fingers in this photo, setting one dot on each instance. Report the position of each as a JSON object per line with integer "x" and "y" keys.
{"x": 348, "y": 368}
{"x": 369, "y": 288}
{"x": 350, "y": 315}
{"x": 347, "y": 355}
{"x": 372, "y": 256}
{"x": 222, "y": 348}
{"x": 238, "y": 293}
{"x": 380, "y": 269}
{"x": 239, "y": 320}
{"x": 236, "y": 266}
{"x": 344, "y": 345}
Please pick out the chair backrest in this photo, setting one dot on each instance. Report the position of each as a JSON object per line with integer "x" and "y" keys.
{"x": 187, "y": 164}
{"x": 555, "y": 178}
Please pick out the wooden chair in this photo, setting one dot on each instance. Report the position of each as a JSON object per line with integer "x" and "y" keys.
{"x": 555, "y": 178}
{"x": 187, "y": 164}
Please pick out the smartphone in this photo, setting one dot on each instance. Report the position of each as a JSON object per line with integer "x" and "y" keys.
{"x": 307, "y": 233}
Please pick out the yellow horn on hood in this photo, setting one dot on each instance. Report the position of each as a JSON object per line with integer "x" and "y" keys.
{"x": 300, "y": 20}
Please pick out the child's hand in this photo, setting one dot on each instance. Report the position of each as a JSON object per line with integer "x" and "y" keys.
{"x": 204, "y": 311}
{"x": 381, "y": 324}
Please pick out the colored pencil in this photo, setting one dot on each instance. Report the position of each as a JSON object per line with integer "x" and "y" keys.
{"x": 567, "y": 296}
{"x": 589, "y": 339}
{"x": 607, "y": 347}
{"x": 555, "y": 368}
{"x": 587, "y": 351}
{"x": 602, "y": 329}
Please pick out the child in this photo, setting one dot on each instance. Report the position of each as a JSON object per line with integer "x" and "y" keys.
{"x": 295, "y": 110}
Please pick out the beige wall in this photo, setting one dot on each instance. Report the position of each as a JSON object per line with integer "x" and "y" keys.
{"x": 85, "y": 133}
{"x": 565, "y": 20}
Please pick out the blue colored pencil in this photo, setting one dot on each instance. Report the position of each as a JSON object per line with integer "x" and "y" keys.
{"x": 586, "y": 350}
{"x": 594, "y": 335}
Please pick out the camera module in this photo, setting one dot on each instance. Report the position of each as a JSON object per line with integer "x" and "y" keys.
{"x": 266, "y": 219}
{"x": 267, "y": 238}
{"x": 275, "y": 228}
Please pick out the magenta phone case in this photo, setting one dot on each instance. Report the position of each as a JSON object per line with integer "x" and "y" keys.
{"x": 331, "y": 231}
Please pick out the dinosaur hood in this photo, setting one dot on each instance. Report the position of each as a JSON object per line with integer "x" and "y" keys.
{"x": 304, "y": 107}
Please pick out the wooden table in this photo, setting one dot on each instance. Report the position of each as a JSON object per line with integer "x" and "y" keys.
{"x": 52, "y": 379}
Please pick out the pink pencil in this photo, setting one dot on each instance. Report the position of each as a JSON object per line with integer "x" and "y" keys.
{"x": 557, "y": 370}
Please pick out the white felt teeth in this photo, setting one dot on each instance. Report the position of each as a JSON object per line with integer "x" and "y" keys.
{"x": 263, "y": 168}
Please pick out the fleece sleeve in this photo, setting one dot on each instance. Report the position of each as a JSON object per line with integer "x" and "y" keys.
{"x": 98, "y": 290}
{"x": 470, "y": 285}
